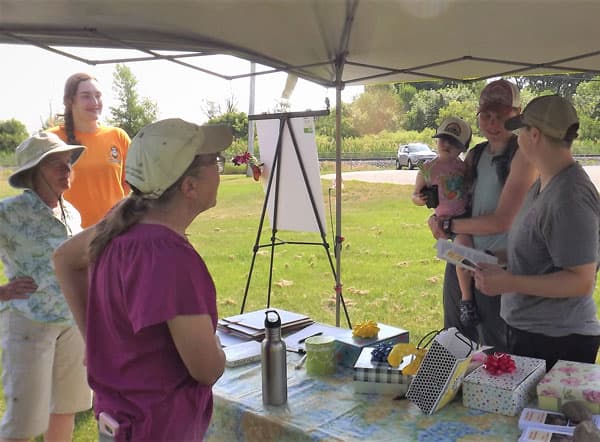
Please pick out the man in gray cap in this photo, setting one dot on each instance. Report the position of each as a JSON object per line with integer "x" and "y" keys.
{"x": 553, "y": 245}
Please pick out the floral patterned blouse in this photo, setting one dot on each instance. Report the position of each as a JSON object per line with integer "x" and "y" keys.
{"x": 29, "y": 234}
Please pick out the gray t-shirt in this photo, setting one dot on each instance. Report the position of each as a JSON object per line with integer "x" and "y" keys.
{"x": 486, "y": 194}
{"x": 557, "y": 228}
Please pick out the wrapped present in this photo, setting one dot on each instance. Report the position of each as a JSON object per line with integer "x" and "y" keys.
{"x": 504, "y": 393}
{"x": 380, "y": 388}
{"x": 569, "y": 381}
{"x": 349, "y": 347}
{"x": 371, "y": 376}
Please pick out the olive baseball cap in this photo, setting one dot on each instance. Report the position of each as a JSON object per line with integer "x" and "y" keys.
{"x": 499, "y": 95}
{"x": 34, "y": 149}
{"x": 457, "y": 129}
{"x": 551, "y": 114}
{"x": 161, "y": 152}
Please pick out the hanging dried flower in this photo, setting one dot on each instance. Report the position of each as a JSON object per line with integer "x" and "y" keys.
{"x": 251, "y": 161}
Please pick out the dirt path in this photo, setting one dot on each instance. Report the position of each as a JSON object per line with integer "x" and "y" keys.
{"x": 408, "y": 176}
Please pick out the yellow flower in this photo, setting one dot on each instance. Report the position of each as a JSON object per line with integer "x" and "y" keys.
{"x": 365, "y": 329}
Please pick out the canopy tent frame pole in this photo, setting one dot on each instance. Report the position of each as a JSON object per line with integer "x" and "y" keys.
{"x": 339, "y": 63}
{"x": 338, "y": 204}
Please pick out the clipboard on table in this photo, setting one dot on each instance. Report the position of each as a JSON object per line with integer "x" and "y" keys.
{"x": 252, "y": 324}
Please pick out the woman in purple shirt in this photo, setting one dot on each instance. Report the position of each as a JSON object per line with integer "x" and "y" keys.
{"x": 143, "y": 297}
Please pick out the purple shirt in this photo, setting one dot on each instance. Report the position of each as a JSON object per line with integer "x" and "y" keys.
{"x": 145, "y": 277}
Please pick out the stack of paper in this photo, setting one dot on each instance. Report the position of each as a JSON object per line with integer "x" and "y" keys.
{"x": 251, "y": 325}
{"x": 242, "y": 353}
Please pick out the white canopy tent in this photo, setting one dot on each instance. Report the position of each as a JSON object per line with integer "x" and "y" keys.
{"x": 330, "y": 42}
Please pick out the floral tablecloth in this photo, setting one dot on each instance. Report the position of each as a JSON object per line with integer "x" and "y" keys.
{"x": 327, "y": 409}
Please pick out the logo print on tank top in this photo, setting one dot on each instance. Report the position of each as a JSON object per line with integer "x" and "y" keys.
{"x": 114, "y": 155}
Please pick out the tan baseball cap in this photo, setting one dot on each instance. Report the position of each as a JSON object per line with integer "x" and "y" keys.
{"x": 34, "y": 149}
{"x": 457, "y": 129}
{"x": 161, "y": 152}
{"x": 499, "y": 95}
{"x": 552, "y": 114}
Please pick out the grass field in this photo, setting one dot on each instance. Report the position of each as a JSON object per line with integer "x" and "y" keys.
{"x": 389, "y": 270}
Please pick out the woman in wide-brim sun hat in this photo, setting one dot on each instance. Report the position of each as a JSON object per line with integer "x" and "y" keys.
{"x": 43, "y": 376}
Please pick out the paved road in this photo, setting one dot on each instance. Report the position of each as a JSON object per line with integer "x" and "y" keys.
{"x": 408, "y": 176}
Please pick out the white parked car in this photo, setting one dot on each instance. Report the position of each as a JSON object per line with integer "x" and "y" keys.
{"x": 412, "y": 154}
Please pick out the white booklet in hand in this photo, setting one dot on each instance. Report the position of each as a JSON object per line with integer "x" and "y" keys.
{"x": 462, "y": 256}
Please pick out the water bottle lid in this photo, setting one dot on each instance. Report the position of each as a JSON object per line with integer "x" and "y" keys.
{"x": 272, "y": 319}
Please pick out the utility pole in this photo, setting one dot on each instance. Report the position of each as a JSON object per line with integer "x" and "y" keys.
{"x": 251, "y": 112}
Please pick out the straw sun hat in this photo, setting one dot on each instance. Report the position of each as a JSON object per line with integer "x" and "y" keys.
{"x": 34, "y": 149}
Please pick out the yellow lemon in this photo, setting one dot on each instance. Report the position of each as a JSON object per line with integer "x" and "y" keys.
{"x": 413, "y": 367}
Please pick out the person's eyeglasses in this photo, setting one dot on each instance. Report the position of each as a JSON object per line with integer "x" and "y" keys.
{"x": 210, "y": 160}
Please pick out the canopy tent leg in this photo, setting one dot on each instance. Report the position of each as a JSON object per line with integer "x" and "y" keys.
{"x": 338, "y": 199}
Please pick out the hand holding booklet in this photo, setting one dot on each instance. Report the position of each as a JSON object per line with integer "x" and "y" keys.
{"x": 462, "y": 256}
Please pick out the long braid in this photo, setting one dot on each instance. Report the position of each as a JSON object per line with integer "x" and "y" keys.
{"x": 121, "y": 217}
{"x": 130, "y": 211}
{"x": 70, "y": 127}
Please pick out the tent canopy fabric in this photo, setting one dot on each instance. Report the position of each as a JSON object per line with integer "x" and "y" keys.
{"x": 365, "y": 41}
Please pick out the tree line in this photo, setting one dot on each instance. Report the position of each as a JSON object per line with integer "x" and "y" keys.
{"x": 386, "y": 115}
{"x": 379, "y": 119}
{"x": 421, "y": 106}
{"x": 131, "y": 113}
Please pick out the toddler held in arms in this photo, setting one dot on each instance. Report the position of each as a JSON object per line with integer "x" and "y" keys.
{"x": 442, "y": 184}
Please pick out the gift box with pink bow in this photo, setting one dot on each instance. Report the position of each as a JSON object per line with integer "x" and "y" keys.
{"x": 504, "y": 384}
{"x": 570, "y": 381}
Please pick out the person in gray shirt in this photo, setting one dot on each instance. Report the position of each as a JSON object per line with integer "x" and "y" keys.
{"x": 553, "y": 245}
{"x": 501, "y": 176}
